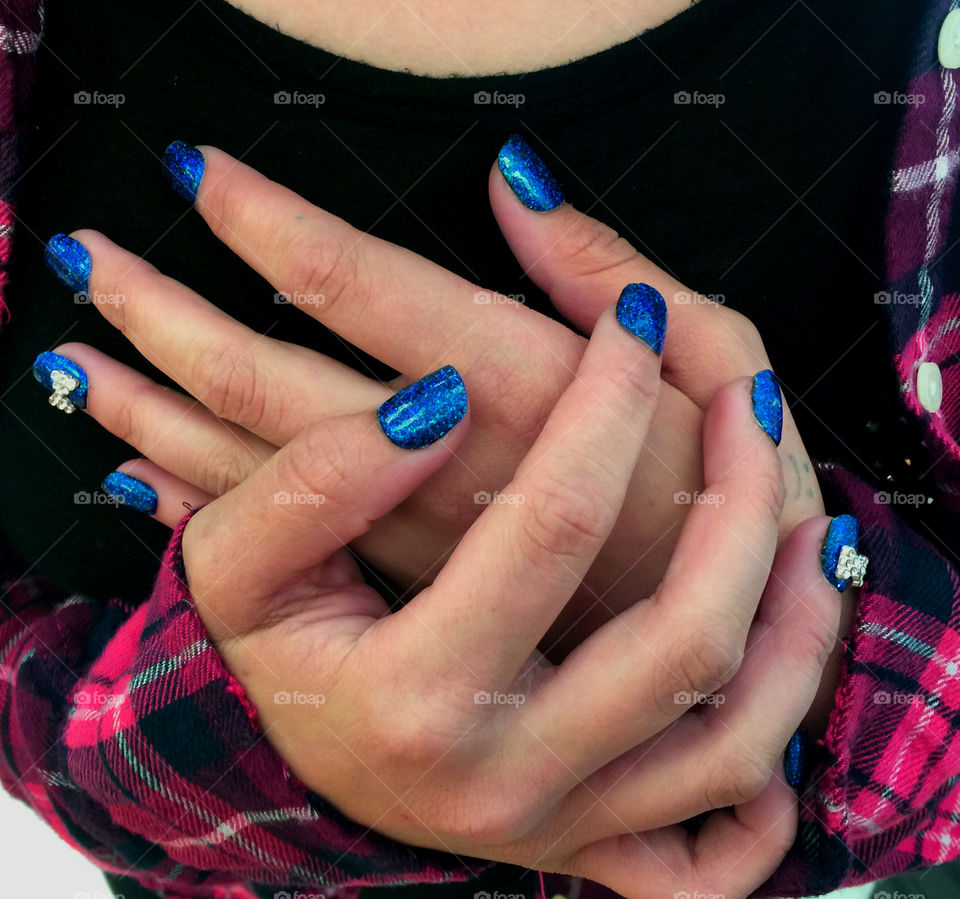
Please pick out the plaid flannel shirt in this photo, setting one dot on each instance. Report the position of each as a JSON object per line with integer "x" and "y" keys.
{"x": 121, "y": 727}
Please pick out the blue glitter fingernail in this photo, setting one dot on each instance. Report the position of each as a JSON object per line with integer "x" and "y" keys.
{"x": 44, "y": 367}
{"x": 423, "y": 412}
{"x": 844, "y": 530}
{"x": 768, "y": 404}
{"x": 131, "y": 492}
{"x": 528, "y": 176}
{"x": 183, "y": 168}
{"x": 69, "y": 260}
{"x": 642, "y": 311}
{"x": 795, "y": 759}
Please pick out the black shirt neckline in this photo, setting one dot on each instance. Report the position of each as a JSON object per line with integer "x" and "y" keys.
{"x": 564, "y": 91}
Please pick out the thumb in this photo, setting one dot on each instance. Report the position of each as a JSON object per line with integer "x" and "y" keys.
{"x": 318, "y": 493}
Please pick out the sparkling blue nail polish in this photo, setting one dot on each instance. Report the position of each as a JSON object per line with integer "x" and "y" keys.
{"x": 183, "y": 168}
{"x": 54, "y": 372}
{"x": 795, "y": 759}
{"x": 131, "y": 492}
{"x": 768, "y": 404}
{"x": 69, "y": 260}
{"x": 423, "y": 412}
{"x": 844, "y": 530}
{"x": 642, "y": 311}
{"x": 528, "y": 176}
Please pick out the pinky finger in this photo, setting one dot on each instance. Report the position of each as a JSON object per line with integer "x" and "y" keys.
{"x": 734, "y": 853}
{"x": 146, "y": 487}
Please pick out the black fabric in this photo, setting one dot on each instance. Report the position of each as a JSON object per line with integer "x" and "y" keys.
{"x": 774, "y": 200}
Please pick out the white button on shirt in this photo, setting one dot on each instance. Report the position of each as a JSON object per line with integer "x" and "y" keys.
{"x": 929, "y": 386}
{"x": 948, "y": 47}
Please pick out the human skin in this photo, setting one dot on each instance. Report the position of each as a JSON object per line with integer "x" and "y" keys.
{"x": 399, "y": 741}
{"x": 457, "y": 37}
{"x": 404, "y": 309}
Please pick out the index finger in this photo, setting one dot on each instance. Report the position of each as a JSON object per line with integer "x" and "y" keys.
{"x": 404, "y": 310}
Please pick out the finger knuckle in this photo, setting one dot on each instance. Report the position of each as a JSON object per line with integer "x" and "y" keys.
{"x": 703, "y": 660}
{"x": 319, "y": 460}
{"x": 222, "y": 468}
{"x": 130, "y": 416}
{"x": 592, "y": 248}
{"x": 565, "y": 516}
{"x": 229, "y": 384}
{"x": 496, "y": 819}
{"x": 746, "y": 336}
{"x": 736, "y": 776}
{"x": 323, "y": 268}
{"x": 761, "y": 497}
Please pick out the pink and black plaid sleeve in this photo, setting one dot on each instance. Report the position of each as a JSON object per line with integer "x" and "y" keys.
{"x": 123, "y": 729}
{"x": 887, "y": 797}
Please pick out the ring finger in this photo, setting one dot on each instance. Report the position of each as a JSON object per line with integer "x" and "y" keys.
{"x": 174, "y": 431}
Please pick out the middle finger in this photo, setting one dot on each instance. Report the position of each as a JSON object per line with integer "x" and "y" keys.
{"x": 257, "y": 382}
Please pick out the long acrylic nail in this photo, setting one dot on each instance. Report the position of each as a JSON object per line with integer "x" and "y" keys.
{"x": 66, "y": 381}
{"x": 422, "y": 413}
{"x": 183, "y": 168}
{"x": 768, "y": 404}
{"x": 840, "y": 545}
{"x": 642, "y": 311}
{"x": 528, "y": 176}
{"x": 69, "y": 260}
{"x": 795, "y": 759}
{"x": 131, "y": 492}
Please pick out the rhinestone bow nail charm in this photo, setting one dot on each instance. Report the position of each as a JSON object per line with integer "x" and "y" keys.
{"x": 63, "y": 386}
{"x": 851, "y": 565}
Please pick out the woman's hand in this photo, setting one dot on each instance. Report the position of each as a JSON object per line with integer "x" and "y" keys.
{"x": 441, "y": 724}
{"x": 411, "y": 314}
